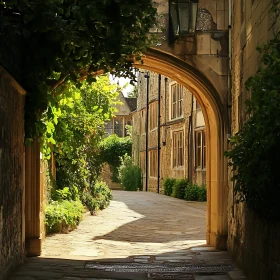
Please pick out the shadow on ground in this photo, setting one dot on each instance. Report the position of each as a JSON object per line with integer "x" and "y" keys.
{"x": 201, "y": 263}
{"x": 158, "y": 221}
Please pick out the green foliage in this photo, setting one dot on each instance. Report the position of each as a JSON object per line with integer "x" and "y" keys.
{"x": 255, "y": 152}
{"x": 112, "y": 149}
{"x": 191, "y": 193}
{"x": 179, "y": 187}
{"x": 101, "y": 188}
{"x": 90, "y": 202}
{"x": 63, "y": 215}
{"x": 183, "y": 189}
{"x": 194, "y": 192}
{"x": 73, "y": 40}
{"x": 129, "y": 174}
{"x": 75, "y": 126}
{"x": 97, "y": 197}
{"x": 202, "y": 193}
{"x": 65, "y": 194}
{"x": 168, "y": 184}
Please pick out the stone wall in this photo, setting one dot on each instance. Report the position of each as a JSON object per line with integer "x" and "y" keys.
{"x": 12, "y": 173}
{"x": 253, "y": 242}
{"x": 167, "y": 128}
{"x": 106, "y": 177}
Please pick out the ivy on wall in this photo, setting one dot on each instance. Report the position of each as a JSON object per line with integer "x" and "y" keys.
{"x": 255, "y": 153}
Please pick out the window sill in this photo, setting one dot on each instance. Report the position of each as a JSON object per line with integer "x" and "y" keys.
{"x": 200, "y": 169}
{"x": 174, "y": 121}
{"x": 178, "y": 168}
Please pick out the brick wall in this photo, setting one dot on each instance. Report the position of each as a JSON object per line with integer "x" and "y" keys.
{"x": 11, "y": 173}
{"x": 253, "y": 242}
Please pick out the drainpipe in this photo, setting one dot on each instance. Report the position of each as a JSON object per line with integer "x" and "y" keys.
{"x": 147, "y": 76}
{"x": 159, "y": 148}
{"x": 190, "y": 145}
{"x": 230, "y": 5}
{"x": 165, "y": 111}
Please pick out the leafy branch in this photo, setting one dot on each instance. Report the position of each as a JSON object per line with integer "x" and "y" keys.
{"x": 66, "y": 40}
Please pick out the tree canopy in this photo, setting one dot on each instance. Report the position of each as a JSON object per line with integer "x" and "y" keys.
{"x": 75, "y": 40}
{"x": 74, "y": 127}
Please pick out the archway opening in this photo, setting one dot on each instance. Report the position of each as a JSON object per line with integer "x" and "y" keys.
{"x": 216, "y": 127}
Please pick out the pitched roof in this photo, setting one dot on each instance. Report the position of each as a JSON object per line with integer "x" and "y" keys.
{"x": 131, "y": 102}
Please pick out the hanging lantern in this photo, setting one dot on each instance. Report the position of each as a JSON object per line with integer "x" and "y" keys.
{"x": 182, "y": 16}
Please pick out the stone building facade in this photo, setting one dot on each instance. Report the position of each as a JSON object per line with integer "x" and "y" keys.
{"x": 253, "y": 242}
{"x": 169, "y": 139}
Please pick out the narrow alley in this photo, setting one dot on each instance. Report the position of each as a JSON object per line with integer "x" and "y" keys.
{"x": 139, "y": 236}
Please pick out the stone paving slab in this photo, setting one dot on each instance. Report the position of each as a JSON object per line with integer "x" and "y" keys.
{"x": 138, "y": 229}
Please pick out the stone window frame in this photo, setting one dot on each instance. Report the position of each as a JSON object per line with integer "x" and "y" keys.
{"x": 178, "y": 149}
{"x": 153, "y": 163}
{"x": 178, "y": 103}
{"x": 200, "y": 149}
{"x": 142, "y": 122}
{"x": 143, "y": 162}
{"x": 110, "y": 126}
{"x": 153, "y": 112}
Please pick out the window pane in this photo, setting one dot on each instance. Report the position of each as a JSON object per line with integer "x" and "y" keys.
{"x": 108, "y": 127}
{"x": 184, "y": 14}
{"x": 174, "y": 18}
{"x": 178, "y": 149}
{"x": 198, "y": 144}
{"x": 118, "y": 127}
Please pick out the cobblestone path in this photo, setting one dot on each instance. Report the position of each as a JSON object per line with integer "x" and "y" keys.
{"x": 139, "y": 236}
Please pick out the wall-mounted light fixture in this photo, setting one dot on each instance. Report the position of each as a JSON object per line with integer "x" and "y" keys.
{"x": 182, "y": 17}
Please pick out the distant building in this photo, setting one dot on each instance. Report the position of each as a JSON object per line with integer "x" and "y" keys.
{"x": 122, "y": 117}
{"x": 175, "y": 135}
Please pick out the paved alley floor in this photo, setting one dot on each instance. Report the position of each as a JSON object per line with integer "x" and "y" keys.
{"x": 139, "y": 236}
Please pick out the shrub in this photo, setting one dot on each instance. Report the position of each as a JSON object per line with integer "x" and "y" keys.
{"x": 100, "y": 188}
{"x": 195, "y": 193}
{"x": 168, "y": 184}
{"x": 191, "y": 193}
{"x": 90, "y": 202}
{"x": 130, "y": 175}
{"x": 97, "y": 197}
{"x": 202, "y": 193}
{"x": 179, "y": 188}
{"x": 65, "y": 194}
{"x": 63, "y": 215}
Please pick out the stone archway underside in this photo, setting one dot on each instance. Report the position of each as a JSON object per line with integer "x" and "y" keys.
{"x": 216, "y": 121}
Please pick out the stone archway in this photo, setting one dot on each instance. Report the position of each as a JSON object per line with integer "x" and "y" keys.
{"x": 216, "y": 136}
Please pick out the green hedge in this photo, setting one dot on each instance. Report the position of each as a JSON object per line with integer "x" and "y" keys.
{"x": 167, "y": 185}
{"x": 183, "y": 189}
{"x": 179, "y": 188}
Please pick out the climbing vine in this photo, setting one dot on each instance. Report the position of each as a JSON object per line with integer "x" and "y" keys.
{"x": 255, "y": 153}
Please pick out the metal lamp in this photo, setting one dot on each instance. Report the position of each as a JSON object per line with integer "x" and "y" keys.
{"x": 183, "y": 14}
